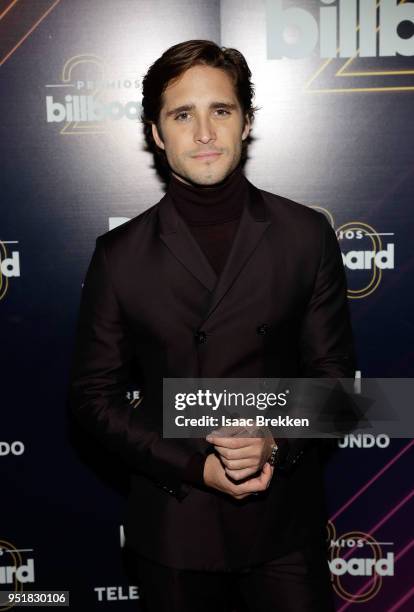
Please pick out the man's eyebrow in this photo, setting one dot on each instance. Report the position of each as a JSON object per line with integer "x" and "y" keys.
{"x": 190, "y": 107}
{"x": 180, "y": 109}
{"x": 228, "y": 105}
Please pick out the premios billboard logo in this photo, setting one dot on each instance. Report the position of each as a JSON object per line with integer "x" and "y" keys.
{"x": 341, "y": 28}
{"x": 358, "y": 564}
{"x": 9, "y": 264}
{"x": 367, "y": 255}
{"x": 88, "y": 97}
{"x": 16, "y": 568}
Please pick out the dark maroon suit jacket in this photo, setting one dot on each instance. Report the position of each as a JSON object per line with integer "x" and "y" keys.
{"x": 153, "y": 307}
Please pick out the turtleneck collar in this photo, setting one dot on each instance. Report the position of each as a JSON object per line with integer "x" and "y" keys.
{"x": 210, "y": 205}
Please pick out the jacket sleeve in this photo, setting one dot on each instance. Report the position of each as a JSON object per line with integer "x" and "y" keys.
{"x": 327, "y": 348}
{"x": 326, "y": 341}
{"x": 100, "y": 375}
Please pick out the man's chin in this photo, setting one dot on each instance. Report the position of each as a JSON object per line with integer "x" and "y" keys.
{"x": 208, "y": 178}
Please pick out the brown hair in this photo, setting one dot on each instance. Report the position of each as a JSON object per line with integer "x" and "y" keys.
{"x": 174, "y": 62}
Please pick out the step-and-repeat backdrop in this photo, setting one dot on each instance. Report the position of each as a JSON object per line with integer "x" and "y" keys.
{"x": 334, "y": 82}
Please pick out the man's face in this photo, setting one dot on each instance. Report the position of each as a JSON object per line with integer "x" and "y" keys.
{"x": 201, "y": 126}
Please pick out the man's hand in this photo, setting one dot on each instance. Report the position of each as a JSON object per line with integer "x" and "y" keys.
{"x": 242, "y": 457}
{"x": 215, "y": 476}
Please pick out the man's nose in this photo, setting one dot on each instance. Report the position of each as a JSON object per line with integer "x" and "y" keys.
{"x": 204, "y": 130}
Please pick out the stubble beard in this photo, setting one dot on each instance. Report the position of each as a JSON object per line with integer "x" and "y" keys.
{"x": 207, "y": 176}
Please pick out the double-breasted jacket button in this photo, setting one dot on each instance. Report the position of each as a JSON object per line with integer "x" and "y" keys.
{"x": 201, "y": 336}
{"x": 262, "y": 329}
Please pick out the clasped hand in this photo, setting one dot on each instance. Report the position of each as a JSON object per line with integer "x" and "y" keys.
{"x": 240, "y": 459}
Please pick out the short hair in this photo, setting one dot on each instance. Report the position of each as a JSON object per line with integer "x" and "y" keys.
{"x": 174, "y": 62}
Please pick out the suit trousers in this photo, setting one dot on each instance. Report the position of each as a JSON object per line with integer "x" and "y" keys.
{"x": 296, "y": 582}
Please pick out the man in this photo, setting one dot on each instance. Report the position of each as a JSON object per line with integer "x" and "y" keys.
{"x": 219, "y": 279}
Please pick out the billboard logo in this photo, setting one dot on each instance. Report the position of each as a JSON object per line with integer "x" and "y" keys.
{"x": 83, "y": 99}
{"x": 366, "y": 260}
{"x": 365, "y": 256}
{"x": 9, "y": 265}
{"x": 86, "y": 108}
{"x": 294, "y": 32}
{"x": 22, "y": 573}
{"x": 355, "y": 555}
{"x": 12, "y": 568}
{"x": 358, "y": 566}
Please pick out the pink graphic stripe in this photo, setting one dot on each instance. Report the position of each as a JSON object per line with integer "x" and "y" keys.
{"x": 402, "y": 601}
{"x": 365, "y": 586}
{"x": 384, "y": 519}
{"x": 34, "y": 26}
{"x": 8, "y": 8}
{"x": 391, "y": 512}
{"x": 372, "y": 480}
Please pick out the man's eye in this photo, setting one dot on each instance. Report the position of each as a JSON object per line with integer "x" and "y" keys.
{"x": 181, "y": 116}
{"x": 223, "y": 112}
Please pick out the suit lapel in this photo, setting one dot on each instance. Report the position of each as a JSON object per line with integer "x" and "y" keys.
{"x": 253, "y": 224}
{"x": 176, "y": 235}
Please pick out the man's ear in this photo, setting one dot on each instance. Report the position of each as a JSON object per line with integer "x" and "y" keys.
{"x": 157, "y": 137}
{"x": 247, "y": 127}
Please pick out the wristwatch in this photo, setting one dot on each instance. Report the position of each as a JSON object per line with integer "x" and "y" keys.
{"x": 273, "y": 455}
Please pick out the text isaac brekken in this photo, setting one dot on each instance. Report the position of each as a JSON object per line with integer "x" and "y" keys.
{"x": 223, "y": 421}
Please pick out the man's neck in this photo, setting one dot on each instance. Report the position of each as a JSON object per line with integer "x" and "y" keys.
{"x": 204, "y": 205}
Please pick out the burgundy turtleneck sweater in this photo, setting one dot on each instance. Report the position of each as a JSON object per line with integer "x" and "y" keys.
{"x": 212, "y": 214}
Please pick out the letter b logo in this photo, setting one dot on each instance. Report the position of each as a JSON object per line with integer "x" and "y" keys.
{"x": 392, "y": 14}
{"x": 291, "y": 32}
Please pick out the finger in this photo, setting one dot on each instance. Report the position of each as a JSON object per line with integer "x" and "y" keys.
{"x": 241, "y": 496}
{"x": 238, "y": 454}
{"x": 240, "y": 464}
{"x": 260, "y": 483}
{"x": 269, "y": 469}
{"x": 256, "y": 444}
{"x": 240, "y": 474}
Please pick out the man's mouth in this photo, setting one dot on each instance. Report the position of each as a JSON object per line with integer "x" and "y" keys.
{"x": 207, "y": 155}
